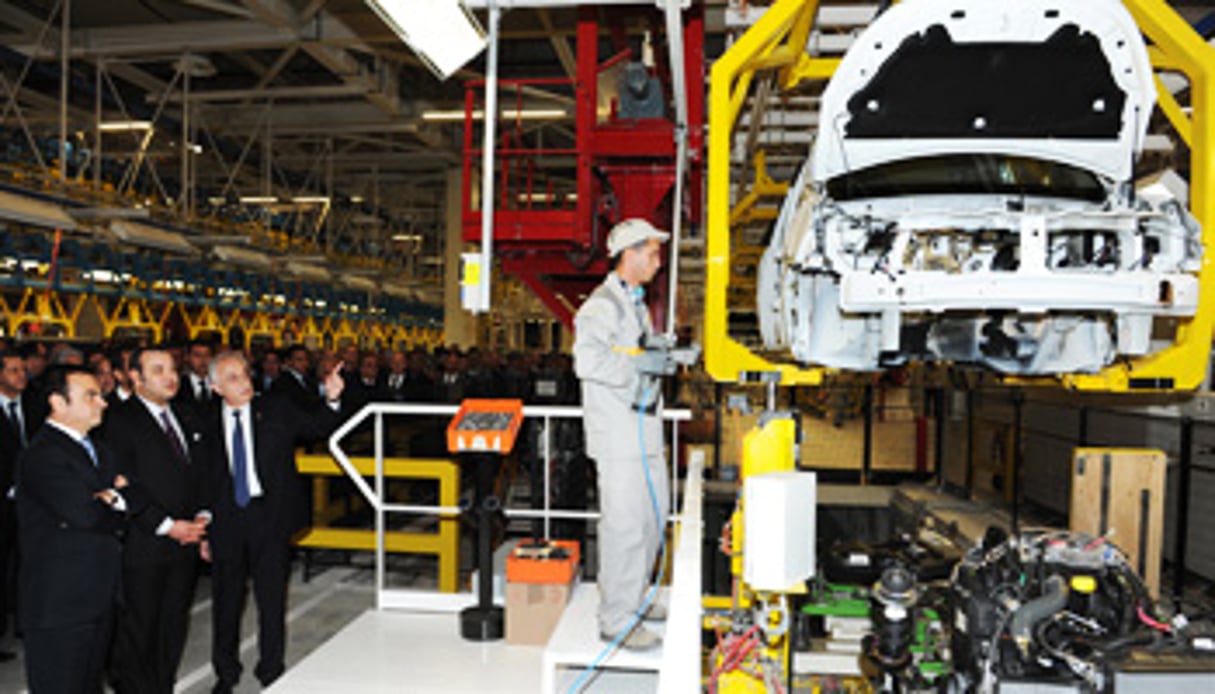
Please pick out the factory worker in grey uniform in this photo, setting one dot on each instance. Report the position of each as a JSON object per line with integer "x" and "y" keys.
{"x": 609, "y": 327}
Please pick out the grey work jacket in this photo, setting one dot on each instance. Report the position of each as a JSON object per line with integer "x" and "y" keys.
{"x": 609, "y": 323}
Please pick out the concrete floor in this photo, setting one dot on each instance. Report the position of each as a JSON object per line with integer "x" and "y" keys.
{"x": 316, "y": 610}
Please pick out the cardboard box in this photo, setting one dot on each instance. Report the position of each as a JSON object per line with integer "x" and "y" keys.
{"x": 533, "y": 610}
{"x": 537, "y": 591}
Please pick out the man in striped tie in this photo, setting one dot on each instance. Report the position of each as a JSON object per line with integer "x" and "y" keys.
{"x": 158, "y": 447}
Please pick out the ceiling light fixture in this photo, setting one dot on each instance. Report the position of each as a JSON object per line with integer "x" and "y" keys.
{"x": 507, "y": 114}
{"x": 443, "y": 33}
{"x": 120, "y": 126}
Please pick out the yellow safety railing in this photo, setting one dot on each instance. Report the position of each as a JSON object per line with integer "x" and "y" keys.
{"x": 444, "y": 543}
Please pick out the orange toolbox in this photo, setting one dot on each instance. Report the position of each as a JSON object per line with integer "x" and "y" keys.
{"x": 543, "y": 561}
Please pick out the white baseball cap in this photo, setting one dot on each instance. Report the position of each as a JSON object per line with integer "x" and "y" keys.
{"x": 631, "y": 232}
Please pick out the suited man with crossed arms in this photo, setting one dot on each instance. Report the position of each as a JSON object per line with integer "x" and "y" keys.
{"x": 70, "y": 514}
{"x": 158, "y": 448}
{"x": 257, "y": 506}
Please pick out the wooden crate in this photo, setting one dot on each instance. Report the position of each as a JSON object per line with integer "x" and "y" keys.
{"x": 1122, "y": 490}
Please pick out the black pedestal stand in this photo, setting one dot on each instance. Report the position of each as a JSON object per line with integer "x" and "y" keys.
{"x": 483, "y": 621}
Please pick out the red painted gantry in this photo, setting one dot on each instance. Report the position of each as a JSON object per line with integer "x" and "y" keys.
{"x": 624, "y": 167}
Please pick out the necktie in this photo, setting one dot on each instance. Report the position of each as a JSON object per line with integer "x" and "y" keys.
{"x": 203, "y": 395}
{"x": 174, "y": 440}
{"x": 14, "y": 417}
{"x": 88, "y": 447}
{"x": 240, "y": 472}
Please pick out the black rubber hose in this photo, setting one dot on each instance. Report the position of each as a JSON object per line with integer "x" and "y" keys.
{"x": 1053, "y": 599}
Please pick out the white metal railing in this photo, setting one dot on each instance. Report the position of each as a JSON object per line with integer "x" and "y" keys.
{"x": 434, "y": 600}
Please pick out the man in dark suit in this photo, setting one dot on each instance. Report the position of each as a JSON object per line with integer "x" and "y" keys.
{"x": 397, "y": 379}
{"x": 368, "y": 385}
{"x": 69, "y": 516}
{"x": 257, "y": 507}
{"x": 120, "y": 366}
{"x": 195, "y": 390}
{"x": 270, "y": 368}
{"x": 295, "y": 383}
{"x": 22, "y": 417}
{"x": 158, "y": 448}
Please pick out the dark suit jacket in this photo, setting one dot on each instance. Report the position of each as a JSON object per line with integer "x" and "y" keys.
{"x": 161, "y": 484}
{"x": 357, "y": 393}
{"x": 71, "y": 553}
{"x": 399, "y": 394}
{"x": 187, "y": 398}
{"x": 32, "y": 414}
{"x": 305, "y": 396}
{"x": 278, "y": 427}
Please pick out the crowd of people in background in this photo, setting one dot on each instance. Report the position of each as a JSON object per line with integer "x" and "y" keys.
{"x": 154, "y": 451}
{"x": 446, "y": 374}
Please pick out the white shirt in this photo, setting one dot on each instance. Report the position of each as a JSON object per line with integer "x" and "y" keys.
{"x": 199, "y": 387}
{"x": 8, "y": 415}
{"x": 123, "y": 393}
{"x": 4, "y": 401}
{"x": 156, "y": 410}
{"x": 120, "y": 504}
{"x": 246, "y": 416}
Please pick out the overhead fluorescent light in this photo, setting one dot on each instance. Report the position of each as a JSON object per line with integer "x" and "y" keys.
{"x": 102, "y": 213}
{"x": 195, "y": 148}
{"x": 356, "y": 199}
{"x": 355, "y": 282}
{"x": 443, "y": 33}
{"x": 311, "y": 199}
{"x": 398, "y": 290}
{"x": 366, "y": 220}
{"x": 122, "y": 126}
{"x": 258, "y": 199}
{"x": 243, "y": 257}
{"x": 35, "y": 212}
{"x": 547, "y": 197}
{"x": 505, "y": 114}
{"x": 308, "y": 271}
{"x": 147, "y": 236}
{"x": 407, "y": 237}
{"x": 217, "y": 200}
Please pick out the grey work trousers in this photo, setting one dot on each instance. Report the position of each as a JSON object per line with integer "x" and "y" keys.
{"x": 629, "y": 535}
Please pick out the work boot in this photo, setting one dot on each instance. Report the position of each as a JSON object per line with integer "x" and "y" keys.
{"x": 656, "y": 613}
{"x": 639, "y": 639}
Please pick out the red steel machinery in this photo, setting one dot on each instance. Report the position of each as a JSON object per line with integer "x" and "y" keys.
{"x": 554, "y": 206}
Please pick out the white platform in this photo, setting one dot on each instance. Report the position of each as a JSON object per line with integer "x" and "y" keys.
{"x": 575, "y": 644}
{"x": 396, "y": 651}
{"x": 405, "y": 650}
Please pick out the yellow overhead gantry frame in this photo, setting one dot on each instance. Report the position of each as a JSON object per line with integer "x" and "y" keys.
{"x": 777, "y": 42}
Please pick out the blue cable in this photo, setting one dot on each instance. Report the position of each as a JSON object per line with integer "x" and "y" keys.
{"x": 662, "y": 565}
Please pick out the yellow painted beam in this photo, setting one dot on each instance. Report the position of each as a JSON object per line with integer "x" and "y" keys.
{"x": 725, "y": 357}
{"x": 364, "y": 540}
{"x": 445, "y": 543}
{"x": 1172, "y": 110}
{"x": 1185, "y": 362}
